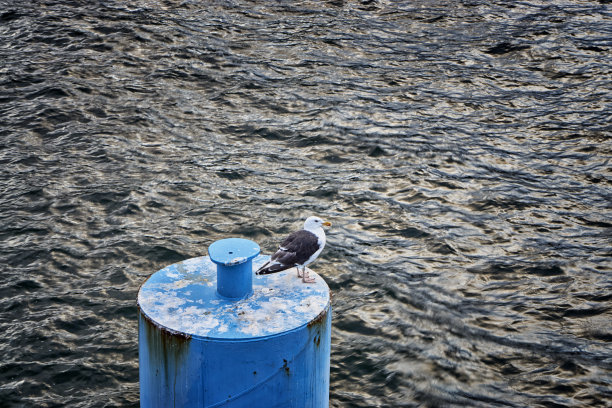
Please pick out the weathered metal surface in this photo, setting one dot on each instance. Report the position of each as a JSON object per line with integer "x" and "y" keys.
{"x": 182, "y": 297}
{"x": 163, "y": 353}
{"x": 199, "y": 349}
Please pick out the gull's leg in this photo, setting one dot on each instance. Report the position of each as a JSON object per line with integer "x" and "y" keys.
{"x": 305, "y": 277}
{"x": 298, "y": 271}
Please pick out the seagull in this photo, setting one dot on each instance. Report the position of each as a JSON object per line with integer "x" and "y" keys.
{"x": 299, "y": 249}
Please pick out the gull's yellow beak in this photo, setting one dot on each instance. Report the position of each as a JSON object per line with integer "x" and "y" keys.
{"x": 327, "y": 224}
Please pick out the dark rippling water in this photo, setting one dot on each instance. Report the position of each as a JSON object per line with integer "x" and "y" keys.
{"x": 461, "y": 149}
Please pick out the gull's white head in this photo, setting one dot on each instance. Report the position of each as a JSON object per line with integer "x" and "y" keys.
{"x": 313, "y": 223}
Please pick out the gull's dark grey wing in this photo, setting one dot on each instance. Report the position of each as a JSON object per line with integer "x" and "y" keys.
{"x": 294, "y": 250}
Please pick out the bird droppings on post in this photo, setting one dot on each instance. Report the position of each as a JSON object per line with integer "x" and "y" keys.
{"x": 169, "y": 333}
{"x": 181, "y": 297}
{"x": 236, "y": 261}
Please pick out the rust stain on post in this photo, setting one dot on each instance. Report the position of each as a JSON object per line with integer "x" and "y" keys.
{"x": 318, "y": 323}
{"x": 166, "y": 347}
{"x": 317, "y": 339}
{"x": 165, "y": 332}
{"x": 320, "y": 318}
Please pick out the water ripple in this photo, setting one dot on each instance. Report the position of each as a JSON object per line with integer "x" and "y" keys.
{"x": 461, "y": 151}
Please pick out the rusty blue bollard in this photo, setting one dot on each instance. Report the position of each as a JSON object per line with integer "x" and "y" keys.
{"x": 212, "y": 334}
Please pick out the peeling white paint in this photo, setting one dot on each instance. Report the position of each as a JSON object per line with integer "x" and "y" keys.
{"x": 183, "y": 297}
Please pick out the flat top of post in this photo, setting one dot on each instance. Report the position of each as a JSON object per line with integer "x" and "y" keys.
{"x": 182, "y": 297}
{"x": 233, "y": 251}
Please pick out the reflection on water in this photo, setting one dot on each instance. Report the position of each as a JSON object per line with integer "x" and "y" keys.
{"x": 461, "y": 151}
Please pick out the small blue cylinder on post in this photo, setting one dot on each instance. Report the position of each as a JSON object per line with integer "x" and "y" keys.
{"x": 211, "y": 334}
{"x": 233, "y": 257}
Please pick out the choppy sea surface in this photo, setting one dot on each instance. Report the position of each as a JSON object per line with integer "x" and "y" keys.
{"x": 462, "y": 151}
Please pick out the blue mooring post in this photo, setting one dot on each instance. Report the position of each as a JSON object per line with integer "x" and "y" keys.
{"x": 211, "y": 334}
